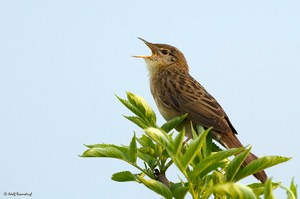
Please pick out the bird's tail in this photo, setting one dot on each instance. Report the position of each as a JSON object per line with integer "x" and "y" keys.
{"x": 229, "y": 140}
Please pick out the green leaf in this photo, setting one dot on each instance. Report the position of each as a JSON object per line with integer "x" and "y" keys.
{"x": 215, "y": 147}
{"x": 132, "y": 151}
{"x": 233, "y": 190}
{"x": 178, "y": 142}
{"x": 110, "y": 151}
{"x": 89, "y": 145}
{"x": 138, "y": 121}
{"x": 209, "y": 144}
{"x": 293, "y": 188}
{"x": 213, "y": 161}
{"x": 292, "y": 191}
{"x": 268, "y": 193}
{"x": 179, "y": 190}
{"x": 207, "y": 147}
{"x": 260, "y": 164}
{"x": 193, "y": 149}
{"x": 150, "y": 160}
{"x": 148, "y": 152}
{"x": 257, "y": 188}
{"x": 203, "y": 185}
{"x": 123, "y": 176}
{"x": 140, "y": 108}
{"x": 200, "y": 129}
{"x": 168, "y": 164}
{"x": 235, "y": 164}
{"x": 159, "y": 136}
{"x": 144, "y": 110}
{"x": 146, "y": 142}
{"x": 218, "y": 177}
{"x": 157, "y": 187}
{"x": 173, "y": 123}
{"x": 130, "y": 106}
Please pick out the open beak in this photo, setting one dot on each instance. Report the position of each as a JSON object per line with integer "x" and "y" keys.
{"x": 150, "y": 45}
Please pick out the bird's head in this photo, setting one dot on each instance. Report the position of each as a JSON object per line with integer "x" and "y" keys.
{"x": 163, "y": 56}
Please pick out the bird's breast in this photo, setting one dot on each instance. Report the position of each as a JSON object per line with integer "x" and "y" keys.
{"x": 164, "y": 108}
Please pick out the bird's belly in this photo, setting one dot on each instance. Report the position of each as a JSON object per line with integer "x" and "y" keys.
{"x": 166, "y": 112}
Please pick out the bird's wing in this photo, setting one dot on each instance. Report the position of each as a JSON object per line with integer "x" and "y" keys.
{"x": 184, "y": 94}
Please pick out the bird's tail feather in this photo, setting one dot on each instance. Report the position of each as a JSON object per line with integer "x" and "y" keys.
{"x": 229, "y": 140}
{"x": 261, "y": 175}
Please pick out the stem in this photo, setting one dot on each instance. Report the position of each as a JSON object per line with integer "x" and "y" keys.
{"x": 142, "y": 170}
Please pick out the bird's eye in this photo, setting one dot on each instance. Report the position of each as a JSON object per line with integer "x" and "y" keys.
{"x": 164, "y": 52}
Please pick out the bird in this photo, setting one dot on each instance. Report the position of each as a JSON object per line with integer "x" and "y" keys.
{"x": 176, "y": 92}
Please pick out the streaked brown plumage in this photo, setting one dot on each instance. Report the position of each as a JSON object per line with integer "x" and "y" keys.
{"x": 176, "y": 92}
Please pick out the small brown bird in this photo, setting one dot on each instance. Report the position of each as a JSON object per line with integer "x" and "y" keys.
{"x": 176, "y": 92}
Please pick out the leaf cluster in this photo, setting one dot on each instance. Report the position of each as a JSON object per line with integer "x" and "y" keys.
{"x": 206, "y": 169}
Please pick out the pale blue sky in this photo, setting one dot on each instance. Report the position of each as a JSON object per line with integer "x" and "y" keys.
{"x": 61, "y": 62}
